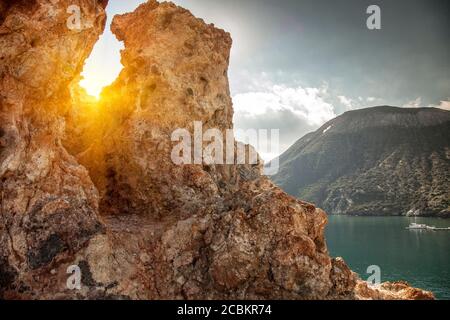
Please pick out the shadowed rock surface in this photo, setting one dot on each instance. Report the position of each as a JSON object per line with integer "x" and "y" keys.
{"x": 376, "y": 161}
{"x": 104, "y": 194}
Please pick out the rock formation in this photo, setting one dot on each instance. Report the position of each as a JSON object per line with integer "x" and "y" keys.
{"x": 93, "y": 185}
{"x": 49, "y": 206}
{"x": 375, "y": 161}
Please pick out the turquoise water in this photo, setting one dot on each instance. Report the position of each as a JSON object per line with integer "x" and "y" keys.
{"x": 422, "y": 258}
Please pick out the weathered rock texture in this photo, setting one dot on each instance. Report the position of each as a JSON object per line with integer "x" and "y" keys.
{"x": 49, "y": 206}
{"x": 153, "y": 230}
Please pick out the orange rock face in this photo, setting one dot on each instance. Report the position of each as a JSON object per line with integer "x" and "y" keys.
{"x": 49, "y": 206}
{"x": 99, "y": 190}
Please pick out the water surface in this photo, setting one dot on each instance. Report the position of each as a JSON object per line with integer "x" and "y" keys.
{"x": 422, "y": 258}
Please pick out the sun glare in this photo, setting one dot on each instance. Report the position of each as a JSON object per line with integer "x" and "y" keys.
{"x": 103, "y": 65}
{"x": 93, "y": 86}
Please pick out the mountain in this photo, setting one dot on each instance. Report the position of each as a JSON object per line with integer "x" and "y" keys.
{"x": 376, "y": 161}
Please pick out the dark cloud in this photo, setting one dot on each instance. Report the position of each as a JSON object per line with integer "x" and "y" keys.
{"x": 322, "y": 40}
{"x": 312, "y": 43}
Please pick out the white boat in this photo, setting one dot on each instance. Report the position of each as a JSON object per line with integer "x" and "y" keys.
{"x": 417, "y": 226}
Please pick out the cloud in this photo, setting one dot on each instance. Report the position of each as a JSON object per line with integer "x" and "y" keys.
{"x": 417, "y": 103}
{"x": 347, "y": 102}
{"x": 270, "y": 101}
{"x": 306, "y": 104}
{"x": 350, "y": 104}
{"x": 294, "y": 110}
{"x": 445, "y": 105}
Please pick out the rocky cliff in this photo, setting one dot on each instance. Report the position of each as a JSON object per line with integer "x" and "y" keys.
{"x": 92, "y": 185}
{"x": 376, "y": 161}
{"x": 49, "y": 206}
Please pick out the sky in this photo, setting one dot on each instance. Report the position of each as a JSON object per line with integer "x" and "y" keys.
{"x": 295, "y": 64}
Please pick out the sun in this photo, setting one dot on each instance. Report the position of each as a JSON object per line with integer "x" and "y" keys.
{"x": 98, "y": 74}
{"x": 102, "y": 67}
{"x": 93, "y": 86}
